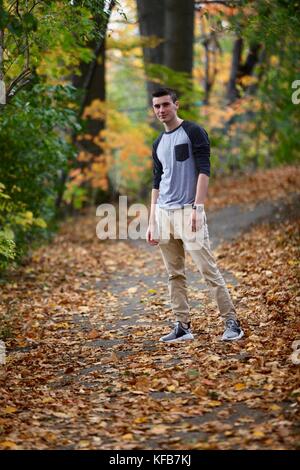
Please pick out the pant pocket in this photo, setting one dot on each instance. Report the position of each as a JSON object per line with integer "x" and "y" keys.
{"x": 192, "y": 240}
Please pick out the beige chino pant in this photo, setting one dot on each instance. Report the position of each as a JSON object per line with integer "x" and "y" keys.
{"x": 176, "y": 238}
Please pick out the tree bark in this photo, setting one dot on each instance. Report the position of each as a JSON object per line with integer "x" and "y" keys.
{"x": 151, "y": 18}
{"x": 232, "y": 93}
{"x": 238, "y": 69}
{"x": 92, "y": 83}
{"x": 173, "y": 21}
{"x": 251, "y": 60}
{"x": 179, "y": 33}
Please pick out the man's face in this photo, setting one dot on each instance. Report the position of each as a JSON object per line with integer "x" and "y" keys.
{"x": 164, "y": 108}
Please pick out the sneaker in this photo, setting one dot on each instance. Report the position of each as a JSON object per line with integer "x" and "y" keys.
{"x": 178, "y": 334}
{"x": 233, "y": 331}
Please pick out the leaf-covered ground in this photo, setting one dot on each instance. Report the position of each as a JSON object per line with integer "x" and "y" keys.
{"x": 85, "y": 370}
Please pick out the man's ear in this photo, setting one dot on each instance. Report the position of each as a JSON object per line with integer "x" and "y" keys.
{"x": 177, "y": 104}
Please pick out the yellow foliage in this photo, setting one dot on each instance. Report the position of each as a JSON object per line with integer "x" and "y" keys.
{"x": 96, "y": 110}
{"x": 274, "y": 60}
{"x": 248, "y": 80}
{"x": 122, "y": 145}
{"x": 216, "y": 115}
{"x": 132, "y": 43}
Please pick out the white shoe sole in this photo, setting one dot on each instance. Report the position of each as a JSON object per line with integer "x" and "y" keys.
{"x": 235, "y": 338}
{"x": 187, "y": 337}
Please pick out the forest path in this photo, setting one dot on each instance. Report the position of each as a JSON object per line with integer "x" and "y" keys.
{"x": 85, "y": 368}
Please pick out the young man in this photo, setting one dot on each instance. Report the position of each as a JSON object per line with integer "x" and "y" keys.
{"x": 177, "y": 221}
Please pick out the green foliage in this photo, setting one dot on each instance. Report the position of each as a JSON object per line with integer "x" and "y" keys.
{"x": 275, "y": 25}
{"x": 35, "y": 150}
{"x": 44, "y": 43}
{"x": 119, "y": 93}
{"x": 49, "y": 37}
{"x": 7, "y": 250}
{"x": 75, "y": 196}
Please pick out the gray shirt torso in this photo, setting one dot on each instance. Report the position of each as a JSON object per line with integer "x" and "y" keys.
{"x": 179, "y": 156}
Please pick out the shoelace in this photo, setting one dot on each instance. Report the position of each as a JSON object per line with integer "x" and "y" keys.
{"x": 179, "y": 325}
{"x": 232, "y": 324}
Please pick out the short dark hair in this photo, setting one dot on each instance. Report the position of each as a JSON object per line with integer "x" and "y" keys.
{"x": 165, "y": 91}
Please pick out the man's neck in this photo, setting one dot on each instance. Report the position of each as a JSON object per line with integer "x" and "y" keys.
{"x": 170, "y": 126}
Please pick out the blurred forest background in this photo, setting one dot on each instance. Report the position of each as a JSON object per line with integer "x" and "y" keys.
{"x": 76, "y": 125}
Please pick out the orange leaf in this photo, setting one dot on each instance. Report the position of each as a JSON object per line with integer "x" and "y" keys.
{"x": 239, "y": 386}
{"x": 10, "y": 409}
{"x": 8, "y": 444}
{"x": 93, "y": 334}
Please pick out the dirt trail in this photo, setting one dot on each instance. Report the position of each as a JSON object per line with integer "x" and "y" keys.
{"x": 106, "y": 383}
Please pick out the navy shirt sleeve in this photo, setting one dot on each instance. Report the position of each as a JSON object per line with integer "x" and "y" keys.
{"x": 200, "y": 146}
{"x": 157, "y": 166}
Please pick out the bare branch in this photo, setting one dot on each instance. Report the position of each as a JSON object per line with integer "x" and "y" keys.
{"x": 93, "y": 64}
{"x": 126, "y": 22}
{"x": 12, "y": 93}
{"x": 25, "y": 75}
{"x": 17, "y": 9}
{"x": 34, "y": 5}
{"x": 11, "y": 6}
{"x": 11, "y": 61}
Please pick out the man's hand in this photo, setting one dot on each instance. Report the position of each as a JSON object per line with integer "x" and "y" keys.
{"x": 152, "y": 232}
{"x": 197, "y": 219}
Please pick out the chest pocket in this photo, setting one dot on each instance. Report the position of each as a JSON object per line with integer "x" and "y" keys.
{"x": 181, "y": 152}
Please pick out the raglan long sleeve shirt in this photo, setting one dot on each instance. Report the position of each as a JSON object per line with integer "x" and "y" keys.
{"x": 178, "y": 158}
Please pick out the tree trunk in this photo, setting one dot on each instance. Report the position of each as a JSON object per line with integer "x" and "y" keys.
{"x": 239, "y": 70}
{"x": 92, "y": 83}
{"x": 179, "y": 33}
{"x": 173, "y": 21}
{"x": 211, "y": 48}
{"x": 151, "y": 18}
{"x": 251, "y": 60}
{"x": 232, "y": 93}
